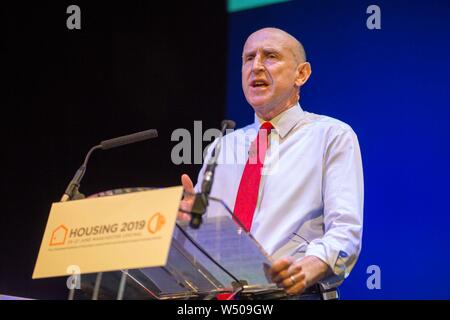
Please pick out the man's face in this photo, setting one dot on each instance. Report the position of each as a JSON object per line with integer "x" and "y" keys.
{"x": 269, "y": 72}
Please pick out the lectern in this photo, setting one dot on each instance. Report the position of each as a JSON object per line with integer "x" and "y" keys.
{"x": 218, "y": 259}
{"x": 161, "y": 257}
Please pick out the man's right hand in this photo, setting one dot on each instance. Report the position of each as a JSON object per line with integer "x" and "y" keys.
{"x": 188, "y": 199}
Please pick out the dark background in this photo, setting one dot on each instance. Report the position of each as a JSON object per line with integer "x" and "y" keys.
{"x": 132, "y": 66}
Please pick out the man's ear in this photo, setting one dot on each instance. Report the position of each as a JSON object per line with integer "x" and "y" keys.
{"x": 304, "y": 71}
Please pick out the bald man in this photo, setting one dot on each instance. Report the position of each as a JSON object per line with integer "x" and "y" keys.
{"x": 300, "y": 190}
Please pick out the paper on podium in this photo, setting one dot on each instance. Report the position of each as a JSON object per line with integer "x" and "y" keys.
{"x": 236, "y": 250}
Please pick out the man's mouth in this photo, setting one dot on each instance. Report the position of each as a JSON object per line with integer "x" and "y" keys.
{"x": 259, "y": 84}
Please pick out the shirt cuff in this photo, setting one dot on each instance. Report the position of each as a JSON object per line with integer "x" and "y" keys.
{"x": 337, "y": 261}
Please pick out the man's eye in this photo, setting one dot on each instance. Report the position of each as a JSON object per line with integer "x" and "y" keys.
{"x": 249, "y": 58}
{"x": 272, "y": 56}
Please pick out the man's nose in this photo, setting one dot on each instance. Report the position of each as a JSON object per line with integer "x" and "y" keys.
{"x": 258, "y": 64}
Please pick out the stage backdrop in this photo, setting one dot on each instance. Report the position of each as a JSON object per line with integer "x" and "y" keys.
{"x": 392, "y": 85}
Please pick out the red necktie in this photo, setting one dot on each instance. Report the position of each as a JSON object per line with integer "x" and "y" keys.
{"x": 247, "y": 195}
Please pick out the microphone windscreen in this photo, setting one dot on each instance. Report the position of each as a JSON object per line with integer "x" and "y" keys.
{"x": 128, "y": 139}
{"x": 230, "y": 124}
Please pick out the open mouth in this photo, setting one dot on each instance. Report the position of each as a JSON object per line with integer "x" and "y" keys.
{"x": 259, "y": 84}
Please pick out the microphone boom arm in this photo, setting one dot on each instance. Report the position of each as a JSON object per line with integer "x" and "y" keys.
{"x": 201, "y": 200}
{"x": 72, "y": 192}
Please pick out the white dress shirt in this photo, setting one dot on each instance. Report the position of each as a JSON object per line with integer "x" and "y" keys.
{"x": 311, "y": 193}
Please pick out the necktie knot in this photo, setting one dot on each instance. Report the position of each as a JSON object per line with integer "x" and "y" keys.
{"x": 266, "y": 126}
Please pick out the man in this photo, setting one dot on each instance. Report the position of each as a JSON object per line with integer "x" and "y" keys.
{"x": 308, "y": 212}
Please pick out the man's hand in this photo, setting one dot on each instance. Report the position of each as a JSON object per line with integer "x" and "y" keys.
{"x": 296, "y": 276}
{"x": 188, "y": 199}
{"x": 289, "y": 275}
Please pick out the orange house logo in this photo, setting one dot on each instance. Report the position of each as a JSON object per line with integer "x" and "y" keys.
{"x": 155, "y": 223}
{"x": 59, "y": 236}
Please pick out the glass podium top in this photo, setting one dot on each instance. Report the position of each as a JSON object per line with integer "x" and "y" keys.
{"x": 219, "y": 256}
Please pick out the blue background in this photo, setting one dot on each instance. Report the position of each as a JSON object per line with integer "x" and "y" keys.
{"x": 392, "y": 86}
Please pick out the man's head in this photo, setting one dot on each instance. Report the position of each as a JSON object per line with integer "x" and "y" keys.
{"x": 274, "y": 68}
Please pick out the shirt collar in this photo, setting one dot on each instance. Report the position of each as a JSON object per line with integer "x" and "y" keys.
{"x": 285, "y": 121}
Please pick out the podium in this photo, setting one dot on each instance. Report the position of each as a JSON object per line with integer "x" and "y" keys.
{"x": 218, "y": 259}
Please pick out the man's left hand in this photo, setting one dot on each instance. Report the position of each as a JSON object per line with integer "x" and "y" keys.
{"x": 297, "y": 275}
{"x": 288, "y": 274}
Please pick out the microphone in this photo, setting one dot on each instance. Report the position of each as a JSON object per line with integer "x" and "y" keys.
{"x": 201, "y": 199}
{"x": 212, "y": 163}
{"x": 128, "y": 139}
{"x": 72, "y": 192}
